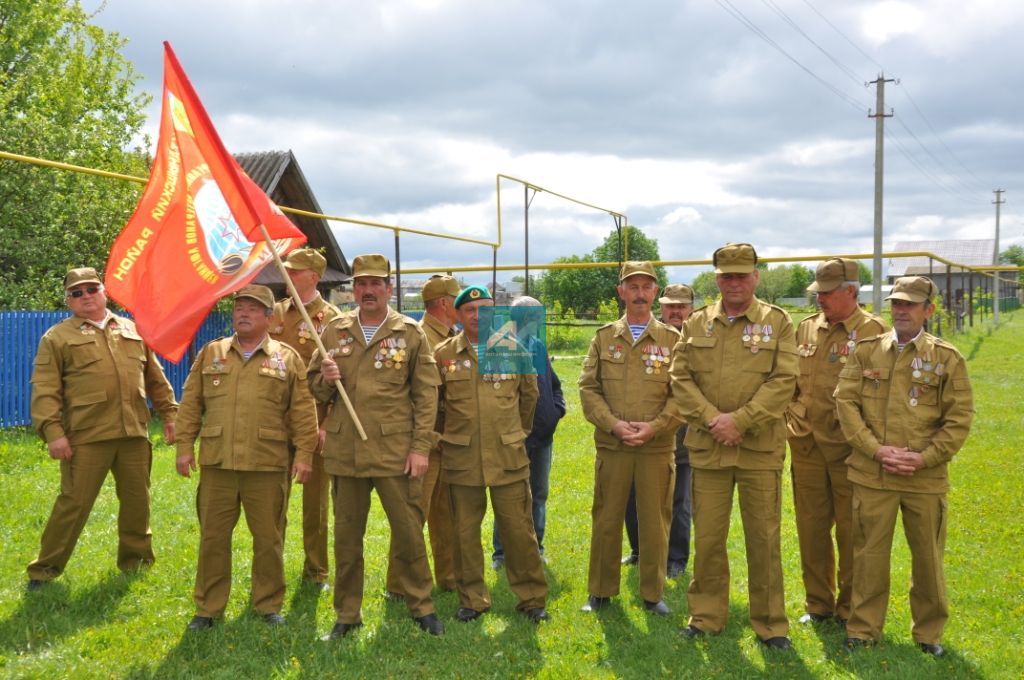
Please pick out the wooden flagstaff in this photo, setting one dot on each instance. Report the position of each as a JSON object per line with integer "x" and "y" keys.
{"x": 294, "y": 293}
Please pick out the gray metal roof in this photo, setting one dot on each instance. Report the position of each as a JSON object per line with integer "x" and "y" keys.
{"x": 967, "y": 251}
{"x": 279, "y": 175}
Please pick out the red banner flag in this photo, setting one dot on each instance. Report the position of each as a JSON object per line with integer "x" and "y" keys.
{"x": 195, "y": 235}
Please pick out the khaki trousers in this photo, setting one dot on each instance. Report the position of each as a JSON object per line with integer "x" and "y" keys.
{"x": 222, "y": 495}
{"x": 315, "y": 528}
{"x": 441, "y": 529}
{"x": 513, "y": 513}
{"x": 760, "y": 494}
{"x": 129, "y": 459}
{"x": 400, "y": 497}
{"x": 615, "y": 473}
{"x": 924, "y": 524}
{"x": 823, "y": 498}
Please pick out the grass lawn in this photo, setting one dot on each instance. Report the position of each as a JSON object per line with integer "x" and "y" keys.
{"x": 95, "y": 622}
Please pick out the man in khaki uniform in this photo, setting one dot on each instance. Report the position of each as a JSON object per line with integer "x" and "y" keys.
{"x": 305, "y": 268}
{"x": 625, "y": 392}
{"x": 732, "y": 377}
{"x": 385, "y": 365}
{"x": 822, "y": 495}
{"x": 905, "y": 405}
{"x": 246, "y": 403}
{"x": 487, "y": 412}
{"x": 90, "y": 381}
{"x": 439, "y": 293}
{"x": 676, "y": 307}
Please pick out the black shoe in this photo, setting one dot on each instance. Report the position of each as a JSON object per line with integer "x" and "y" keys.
{"x": 594, "y": 603}
{"x": 273, "y": 619}
{"x": 675, "y": 569}
{"x": 658, "y": 608}
{"x": 631, "y": 559}
{"x": 497, "y": 562}
{"x": 811, "y": 617}
{"x": 430, "y": 623}
{"x": 855, "y": 643}
{"x": 340, "y": 630}
{"x": 392, "y": 596}
{"x": 35, "y": 584}
{"x": 465, "y": 614}
{"x": 778, "y": 642}
{"x": 934, "y": 650}
{"x": 692, "y": 632}
{"x": 199, "y": 623}
{"x": 538, "y": 614}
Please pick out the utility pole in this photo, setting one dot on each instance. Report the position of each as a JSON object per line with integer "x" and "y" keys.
{"x": 880, "y": 115}
{"x": 995, "y": 258}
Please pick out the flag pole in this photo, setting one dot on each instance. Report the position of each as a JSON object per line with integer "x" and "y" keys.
{"x": 316, "y": 336}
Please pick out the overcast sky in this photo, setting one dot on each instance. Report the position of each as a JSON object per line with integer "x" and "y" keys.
{"x": 679, "y": 113}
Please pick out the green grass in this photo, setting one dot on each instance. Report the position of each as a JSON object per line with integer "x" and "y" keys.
{"x": 96, "y": 622}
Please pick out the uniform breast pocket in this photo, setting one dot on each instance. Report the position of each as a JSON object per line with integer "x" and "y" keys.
{"x": 459, "y": 386}
{"x": 700, "y": 352}
{"x": 84, "y": 353}
{"x": 133, "y": 348}
{"x": 215, "y": 381}
{"x": 761, "y": 356}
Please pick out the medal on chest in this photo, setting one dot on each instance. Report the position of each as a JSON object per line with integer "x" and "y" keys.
{"x": 390, "y": 353}
{"x": 755, "y": 334}
{"x": 655, "y": 357}
{"x": 615, "y": 351}
{"x": 344, "y": 344}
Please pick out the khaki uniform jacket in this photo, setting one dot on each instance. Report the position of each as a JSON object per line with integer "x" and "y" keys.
{"x": 246, "y": 413}
{"x": 824, "y": 350}
{"x": 396, "y": 400}
{"x": 435, "y": 331}
{"x": 621, "y": 381}
{"x": 486, "y": 418}
{"x": 91, "y": 385}
{"x": 715, "y": 369}
{"x": 288, "y": 327}
{"x": 876, "y": 403}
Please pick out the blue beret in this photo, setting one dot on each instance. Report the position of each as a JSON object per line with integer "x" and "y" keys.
{"x": 472, "y": 294}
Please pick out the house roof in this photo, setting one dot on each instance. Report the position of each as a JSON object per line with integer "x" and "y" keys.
{"x": 967, "y": 251}
{"x": 279, "y": 175}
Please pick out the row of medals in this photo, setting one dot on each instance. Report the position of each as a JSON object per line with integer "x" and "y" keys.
{"x": 918, "y": 367}
{"x": 654, "y": 357}
{"x": 390, "y": 353}
{"x": 304, "y": 334}
{"x": 272, "y": 366}
{"x": 453, "y": 365}
{"x": 89, "y": 329}
{"x": 755, "y": 334}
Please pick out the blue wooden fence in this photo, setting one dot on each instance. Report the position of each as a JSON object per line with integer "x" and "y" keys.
{"x": 19, "y": 339}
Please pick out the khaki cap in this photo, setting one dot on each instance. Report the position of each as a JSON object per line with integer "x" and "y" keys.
{"x": 914, "y": 289}
{"x": 371, "y": 265}
{"x": 439, "y": 286}
{"x": 636, "y": 267}
{"x": 260, "y": 294}
{"x": 677, "y": 294}
{"x": 735, "y": 258}
{"x": 80, "y": 275}
{"x": 306, "y": 258}
{"x": 831, "y": 273}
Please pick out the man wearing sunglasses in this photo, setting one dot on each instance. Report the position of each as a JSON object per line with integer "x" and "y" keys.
{"x": 91, "y": 379}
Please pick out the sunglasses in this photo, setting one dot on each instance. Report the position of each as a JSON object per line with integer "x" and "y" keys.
{"x": 79, "y": 292}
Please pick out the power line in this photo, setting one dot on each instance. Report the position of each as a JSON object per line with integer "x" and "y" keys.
{"x": 742, "y": 18}
{"x": 928, "y": 174}
{"x": 785, "y": 17}
{"x": 935, "y": 158}
{"x": 836, "y": 29}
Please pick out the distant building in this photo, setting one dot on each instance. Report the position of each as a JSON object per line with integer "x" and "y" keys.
{"x": 972, "y": 252}
{"x": 278, "y": 174}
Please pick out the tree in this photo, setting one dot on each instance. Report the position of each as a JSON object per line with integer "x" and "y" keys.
{"x": 800, "y": 278}
{"x": 704, "y": 287}
{"x": 66, "y": 93}
{"x": 774, "y": 283}
{"x": 584, "y": 290}
{"x": 863, "y": 273}
{"x": 1013, "y": 255}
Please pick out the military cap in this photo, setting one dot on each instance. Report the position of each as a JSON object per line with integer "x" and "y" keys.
{"x": 260, "y": 294}
{"x": 371, "y": 265}
{"x": 914, "y": 289}
{"x": 831, "y": 273}
{"x": 472, "y": 294}
{"x": 677, "y": 294}
{"x": 439, "y": 286}
{"x": 81, "y": 275}
{"x": 636, "y": 267}
{"x": 306, "y": 258}
{"x": 735, "y": 258}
